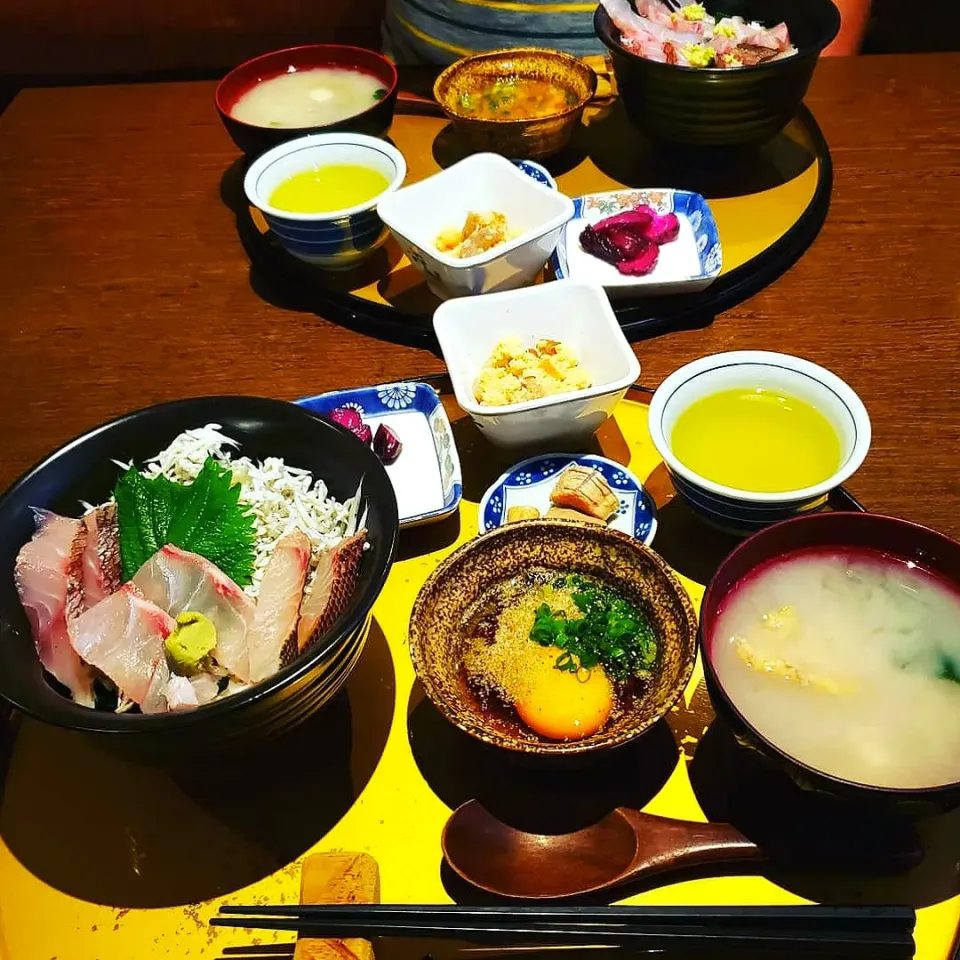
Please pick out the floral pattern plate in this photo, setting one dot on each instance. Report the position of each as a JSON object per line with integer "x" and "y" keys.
{"x": 690, "y": 263}
{"x": 529, "y": 483}
{"x": 426, "y": 476}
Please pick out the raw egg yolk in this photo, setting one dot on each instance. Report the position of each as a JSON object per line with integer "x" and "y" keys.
{"x": 562, "y": 705}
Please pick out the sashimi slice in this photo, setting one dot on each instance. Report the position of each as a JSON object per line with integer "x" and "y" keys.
{"x": 333, "y": 584}
{"x": 49, "y": 577}
{"x": 178, "y": 581}
{"x": 273, "y": 637}
{"x": 101, "y": 558}
{"x": 185, "y": 693}
{"x": 123, "y": 637}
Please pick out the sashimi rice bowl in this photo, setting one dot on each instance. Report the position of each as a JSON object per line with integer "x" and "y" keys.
{"x": 199, "y": 574}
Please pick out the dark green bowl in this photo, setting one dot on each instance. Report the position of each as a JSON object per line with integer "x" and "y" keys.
{"x": 723, "y": 109}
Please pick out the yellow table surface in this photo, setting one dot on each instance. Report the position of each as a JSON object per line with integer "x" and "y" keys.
{"x": 100, "y": 859}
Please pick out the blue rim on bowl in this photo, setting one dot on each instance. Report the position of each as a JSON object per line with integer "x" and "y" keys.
{"x": 529, "y": 482}
{"x": 336, "y": 239}
{"x": 746, "y": 510}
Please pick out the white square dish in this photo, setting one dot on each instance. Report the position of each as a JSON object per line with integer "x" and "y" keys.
{"x": 686, "y": 265}
{"x": 480, "y": 183}
{"x": 575, "y": 313}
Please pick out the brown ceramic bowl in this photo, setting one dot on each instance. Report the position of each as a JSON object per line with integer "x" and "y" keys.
{"x": 515, "y": 138}
{"x": 437, "y": 641}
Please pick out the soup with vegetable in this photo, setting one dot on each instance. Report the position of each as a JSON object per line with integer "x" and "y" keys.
{"x": 308, "y": 98}
{"x": 849, "y": 661}
{"x": 516, "y": 98}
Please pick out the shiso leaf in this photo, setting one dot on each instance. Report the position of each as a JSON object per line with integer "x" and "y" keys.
{"x": 204, "y": 517}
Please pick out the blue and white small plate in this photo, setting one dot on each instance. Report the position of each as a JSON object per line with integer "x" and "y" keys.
{"x": 688, "y": 264}
{"x": 536, "y": 171}
{"x": 529, "y": 484}
{"x": 426, "y": 476}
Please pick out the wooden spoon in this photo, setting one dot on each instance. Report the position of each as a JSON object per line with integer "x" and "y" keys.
{"x": 625, "y": 846}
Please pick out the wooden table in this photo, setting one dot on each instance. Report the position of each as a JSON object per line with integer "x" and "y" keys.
{"x": 124, "y": 284}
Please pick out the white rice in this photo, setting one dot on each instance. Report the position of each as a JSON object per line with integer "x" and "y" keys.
{"x": 281, "y": 498}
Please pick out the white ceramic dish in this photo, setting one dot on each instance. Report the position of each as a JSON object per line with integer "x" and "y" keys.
{"x": 688, "y": 264}
{"x": 742, "y": 510}
{"x": 340, "y": 239}
{"x": 577, "y": 314}
{"x": 426, "y": 476}
{"x": 480, "y": 183}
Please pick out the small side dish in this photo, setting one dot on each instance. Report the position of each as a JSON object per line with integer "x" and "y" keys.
{"x": 631, "y": 240}
{"x": 566, "y": 486}
{"x": 408, "y": 429}
{"x": 580, "y": 493}
{"x": 203, "y": 574}
{"x": 691, "y": 37}
{"x": 514, "y": 373}
{"x": 480, "y": 232}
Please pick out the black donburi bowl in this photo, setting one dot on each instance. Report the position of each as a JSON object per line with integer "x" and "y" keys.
{"x": 910, "y": 541}
{"x": 704, "y": 108}
{"x": 82, "y": 470}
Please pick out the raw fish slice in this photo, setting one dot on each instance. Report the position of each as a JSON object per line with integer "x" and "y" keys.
{"x": 101, "y": 559}
{"x": 185, "y": 693}
{"x": 49, "y": 577}
{"x": 178, "y": 581}
{"x": 337, "y": 573}
{"x": 123, "y": 637}
{"x": 273, "y": 637}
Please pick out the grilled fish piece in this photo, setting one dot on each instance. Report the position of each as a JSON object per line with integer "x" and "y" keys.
{"x": 584, "y": 489}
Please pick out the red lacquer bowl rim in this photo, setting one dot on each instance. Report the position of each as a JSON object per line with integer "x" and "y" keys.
{"x": 362, "y": 54}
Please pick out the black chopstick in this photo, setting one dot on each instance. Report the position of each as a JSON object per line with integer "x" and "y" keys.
{"x": 877, "y": 946}
{"x": 839, "y": 917}
{"x": 881, "y": 933}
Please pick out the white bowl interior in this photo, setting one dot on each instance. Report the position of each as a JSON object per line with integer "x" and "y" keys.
{"x": 308, "y": 156}
{"x": 480, "y": 183}
{"x": 578, "y": 314}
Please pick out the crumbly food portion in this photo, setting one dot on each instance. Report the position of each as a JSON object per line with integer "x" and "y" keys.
{"x": 516, "y": 514}
{"x": 514, "y": 373}
{"x": 480, "y": 232}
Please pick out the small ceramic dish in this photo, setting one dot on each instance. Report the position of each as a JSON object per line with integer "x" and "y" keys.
{"x": 530, "y": 483}
{"x": 561, "y": 547}
{"x": 535, "y": 137}
{"x": 482, "y": 183}
{"x": 537, "y": 171}
{"x": 339, "y": 239}
{"x": 375, "y": 120}
{"x": 426, "y": 476}
{"x": 579, "y": 315}
{"x": 744, "y": 511}
{"x": 686, "y": 265}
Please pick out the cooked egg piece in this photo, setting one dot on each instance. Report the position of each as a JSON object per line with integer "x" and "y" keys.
{"x": 562, "y": 705}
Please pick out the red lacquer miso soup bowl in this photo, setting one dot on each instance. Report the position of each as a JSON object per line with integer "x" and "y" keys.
{"x": 318, "y": 88}
{"x": 850, "y": 539}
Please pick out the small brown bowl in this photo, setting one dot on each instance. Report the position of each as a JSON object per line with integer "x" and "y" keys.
{"x": 514, "y": 138}
{"x": 437, "y": 641}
